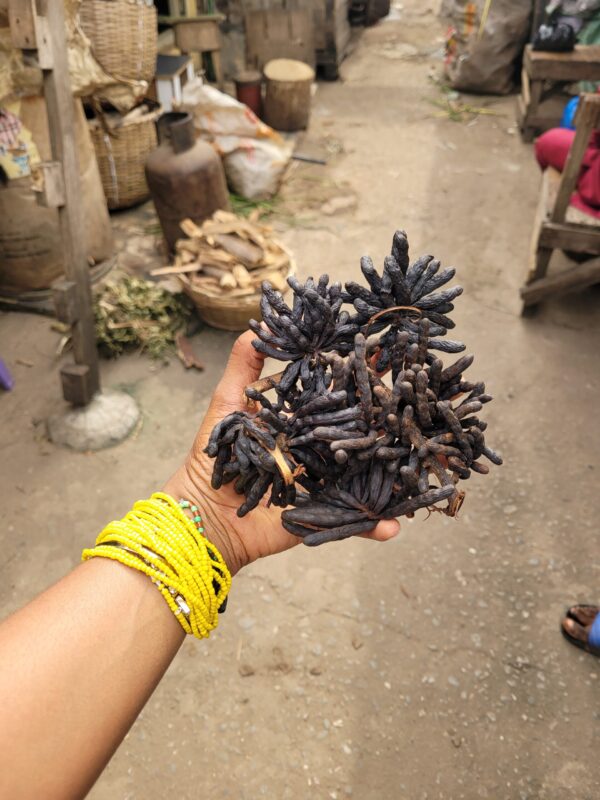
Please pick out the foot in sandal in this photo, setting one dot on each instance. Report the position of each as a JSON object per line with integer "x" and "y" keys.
{"x": 581, "y": 626}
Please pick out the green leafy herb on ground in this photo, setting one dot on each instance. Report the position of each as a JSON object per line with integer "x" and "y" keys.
{"x": 457, "y": 111}
{"x": 133, "y": 313}
{"x": 244, "y": 207}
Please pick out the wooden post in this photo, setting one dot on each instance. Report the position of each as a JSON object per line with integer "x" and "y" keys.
{"x": 40, "y": 26}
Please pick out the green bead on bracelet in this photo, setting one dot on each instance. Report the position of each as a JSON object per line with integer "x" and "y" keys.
{"x": 184, "y": 504}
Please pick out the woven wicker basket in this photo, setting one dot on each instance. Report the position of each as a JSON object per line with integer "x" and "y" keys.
{"x": 121, "y": 152}
{"x": 124, "y": 37}
{"x": 227, "y": 313}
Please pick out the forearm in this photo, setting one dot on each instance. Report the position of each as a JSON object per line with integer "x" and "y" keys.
{"x": 76, "y": 667}
{"x": 78, "y": 663}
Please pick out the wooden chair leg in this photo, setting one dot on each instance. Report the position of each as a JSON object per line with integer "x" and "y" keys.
{"x": 539, "y": 257}
{"x": 540, "y": 264}
{"x": 527, "y": 134}
{"x": 570, "y": 280}
{"x": 532, "y": 95}
{"x": 540, "y": 260}
{"x": 216, "y": 60}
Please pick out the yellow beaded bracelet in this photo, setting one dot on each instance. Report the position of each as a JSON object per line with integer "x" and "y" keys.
{"x": 157, "y": 538}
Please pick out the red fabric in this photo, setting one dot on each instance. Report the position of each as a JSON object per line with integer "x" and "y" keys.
{"x": 552, "y": 149}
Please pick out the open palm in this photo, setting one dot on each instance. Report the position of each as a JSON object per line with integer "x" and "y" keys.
{"x": 260, "y": 533}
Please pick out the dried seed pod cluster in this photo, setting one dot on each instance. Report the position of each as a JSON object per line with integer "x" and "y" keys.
{"x": 356, "y": 429}
{"x": 404, "y": 287}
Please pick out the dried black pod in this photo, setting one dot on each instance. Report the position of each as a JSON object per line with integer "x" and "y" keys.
{"x": 361, "y": 450}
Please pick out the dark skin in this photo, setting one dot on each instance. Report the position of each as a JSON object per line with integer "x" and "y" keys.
{"x": 259, "y": 534}
{"x": 579, "y": 627}
{"x": 78, "y": 663}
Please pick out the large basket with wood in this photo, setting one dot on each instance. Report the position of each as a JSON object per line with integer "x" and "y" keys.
{"x": 122, "y": 144}
{"x": 222, "y": 265}
{"x": 123, "y": 35}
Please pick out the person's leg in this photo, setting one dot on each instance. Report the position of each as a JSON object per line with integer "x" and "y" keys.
{"x": 581, "y": 627}
{"x": 552, "y": 148}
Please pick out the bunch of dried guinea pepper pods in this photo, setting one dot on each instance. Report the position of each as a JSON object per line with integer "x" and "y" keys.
{"x": 335, "y": 444}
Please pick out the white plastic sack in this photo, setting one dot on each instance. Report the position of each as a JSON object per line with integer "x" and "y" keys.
{"x": 254, "y": 155}
{"x": 255, "y": 168}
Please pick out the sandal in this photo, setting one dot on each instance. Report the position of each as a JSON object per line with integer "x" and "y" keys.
{"x": 590, "y": 630}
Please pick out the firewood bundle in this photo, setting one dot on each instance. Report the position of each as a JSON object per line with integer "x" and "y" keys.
{"x": 365, "y": 422}
{"x": 230, "y": 256}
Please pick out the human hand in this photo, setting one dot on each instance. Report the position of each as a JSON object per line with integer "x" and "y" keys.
{"x": 239, "y": 540}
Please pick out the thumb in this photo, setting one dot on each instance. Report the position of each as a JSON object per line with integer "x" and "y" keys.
{"x": 244, "y": 367}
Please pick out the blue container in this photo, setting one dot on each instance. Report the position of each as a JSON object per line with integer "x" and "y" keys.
{"x": 569, "y": 114}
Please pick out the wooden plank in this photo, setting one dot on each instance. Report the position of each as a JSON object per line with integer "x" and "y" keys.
{"x": 174, "y": 8}
{"x": 521, "y": 109}
{"x": 532, "y": 95}
{"x": 218, "y": 68}
{"x": 538, "y": 261}
{"x": 579, "y": 277}
{"x": 77, "y": 384}
{"x": 535, "y": 124}
{"x": 64, "y": 294}
{"x": 569, "y": 236}
{"x": 332, "y": 31}
{"x": 172, "y": 19}
{"x": 22, "y": 20}
{"x": 525, "y": 88}
{"x": 194, "y": 266}
{"x": 582, "y": 64}
{"x": 29, "y": 30}
{"x": 588, "y": 108}
{"x": 52, "y": 192}
{"x": 197, "y": 36}
{"x": 586, "y": 120}
{"x": 61, "y": 126}
{"x": 279, "y": 33}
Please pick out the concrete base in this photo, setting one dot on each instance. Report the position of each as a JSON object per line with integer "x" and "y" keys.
{"x": 106, "y": 421}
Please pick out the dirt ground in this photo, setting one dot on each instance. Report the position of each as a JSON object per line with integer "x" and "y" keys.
{"x": 429, "y": 668}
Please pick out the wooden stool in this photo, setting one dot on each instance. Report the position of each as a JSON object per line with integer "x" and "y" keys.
{"x": 582, "y": 64}
{"x": 199, "y": 34}
{"x": 552, "y": 231}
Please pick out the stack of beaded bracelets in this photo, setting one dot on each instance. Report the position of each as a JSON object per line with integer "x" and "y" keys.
{"x": 157, "y": 538}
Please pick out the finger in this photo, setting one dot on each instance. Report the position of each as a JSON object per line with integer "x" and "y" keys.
{"x": 386, "y": 529}
{"x": 244, "y": 367}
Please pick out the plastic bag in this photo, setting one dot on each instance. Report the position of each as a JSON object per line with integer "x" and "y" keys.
{"x": 484, "y": 41}
{"x": 254, "y": 155}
